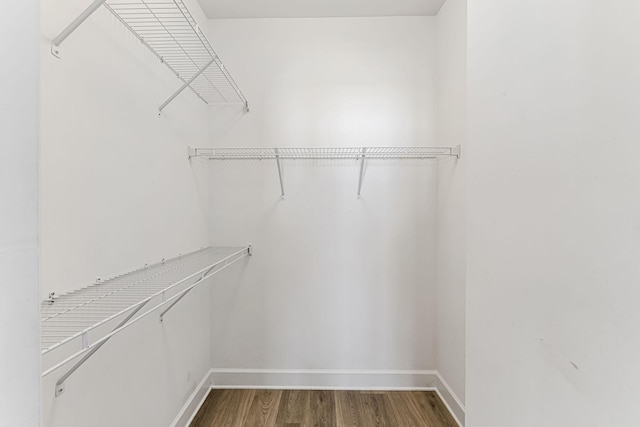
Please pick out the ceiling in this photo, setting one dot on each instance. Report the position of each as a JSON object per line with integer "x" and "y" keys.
{"x": 318, "y": 8}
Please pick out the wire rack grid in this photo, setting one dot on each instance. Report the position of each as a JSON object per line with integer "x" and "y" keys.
{"x": 324, "y": 153}
{"x": 75, "y": 314}
{"x": 172, "y": 34}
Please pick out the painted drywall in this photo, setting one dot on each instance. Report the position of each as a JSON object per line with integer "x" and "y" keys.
{"x": 19, "y": 305}
{"x": 217, "y": 9}
{"x": 553, "y": 231}
{"x": 452, "y": 125}
{"x": 117, "y": 192}
{"x": 141, "y": 377}
{"x": 335, "y": 282}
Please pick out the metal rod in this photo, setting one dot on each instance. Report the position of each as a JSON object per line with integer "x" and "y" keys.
{"x": 132, "y": 322}
{"x": 186, "y": 85}
{"x": 77, "y": 22}
{"x": 202, "y": 277}
{"x": 280, "y": 173}
{"x": 362, "y": 159}
{"x": 85, "y": 345}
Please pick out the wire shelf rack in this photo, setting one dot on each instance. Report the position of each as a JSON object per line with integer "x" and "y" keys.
{"x": 172, "y": 34}
{"x": 83, "y": 319}
{"x": 355, "y": 153}
{"x": 361, "y": 154}
{"x": 70, "y": 315}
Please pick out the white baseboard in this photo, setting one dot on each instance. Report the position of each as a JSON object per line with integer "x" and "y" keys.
{"x": 453, "y": 403}
{"x": 322, "y": 379}
{"x": 319, "y": 380}
{"x": 193, "y": 403}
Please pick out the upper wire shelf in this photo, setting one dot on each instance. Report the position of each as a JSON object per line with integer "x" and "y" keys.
{"x": 172, "y": 34}
{"x": 80, "y": 322}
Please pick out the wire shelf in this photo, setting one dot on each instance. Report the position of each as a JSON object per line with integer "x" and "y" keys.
{"x": 355, "y": 153}
{"x": 362, "y": 154}
{"x": 170, "y": 31}
{"x": 73, "y": 315}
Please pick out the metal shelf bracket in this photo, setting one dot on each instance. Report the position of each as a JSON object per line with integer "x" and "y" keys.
{"x": 85, "y": 344}
{"x": 205, "y": 275}
{"x": 279, "y": 172}
{"x": 56, "y": 42}
{"x": 362, "y": 160}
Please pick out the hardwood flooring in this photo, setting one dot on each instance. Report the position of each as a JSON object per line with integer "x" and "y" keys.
{"x": 306, "y": 408}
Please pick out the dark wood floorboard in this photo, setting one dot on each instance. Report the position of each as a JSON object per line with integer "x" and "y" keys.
{"x": 293, "y": 407}
{"x": 321, "y": 410}
{"x": 349, "y": 409}
{"x": 232, "y": 407}
{"x": 264, "y": 409}
{"x": 306, "y": 408}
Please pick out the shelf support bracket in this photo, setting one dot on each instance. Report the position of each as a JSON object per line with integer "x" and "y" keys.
{"x": 55, "y": 43}
{"x": 280, "y": 173}
{"x": 363, "y": 156}
{"x": 455, "y": 151}
{"x": 60, "y": 383}
{"x": 202, "y": 277}
{"x": 205, "y": 275}
{"x": 186, "y": 85}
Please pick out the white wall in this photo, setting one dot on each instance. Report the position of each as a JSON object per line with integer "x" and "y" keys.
{"x": 554, "y": 201}
{"x": 142, "y": 376}
{"x": 452, "y": 125}
{"x": 335, "y": 282}
{"x": 19, "y": 305}
{"x": 118, "y": 191}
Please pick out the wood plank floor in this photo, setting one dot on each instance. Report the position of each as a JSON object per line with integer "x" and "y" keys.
{"x": 305, "y": 408}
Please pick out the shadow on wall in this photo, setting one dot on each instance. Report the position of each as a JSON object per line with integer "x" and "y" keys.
{"x": 222, "y": 120}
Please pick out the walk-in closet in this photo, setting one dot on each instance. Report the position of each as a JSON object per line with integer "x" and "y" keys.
{"x": 319, "y": 213}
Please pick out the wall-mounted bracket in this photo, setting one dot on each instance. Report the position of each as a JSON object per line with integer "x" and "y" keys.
{"x": 55, "y": 51}
{"x": 85, "y": 344}
{"x": 455, "y": 151}
{"x": 56, "y": 42}
{"x": 362, "y": 160}
{"x": 219, "y": 266}
{"x": 280, "y": 172}
{"x": 205, "y": 275}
